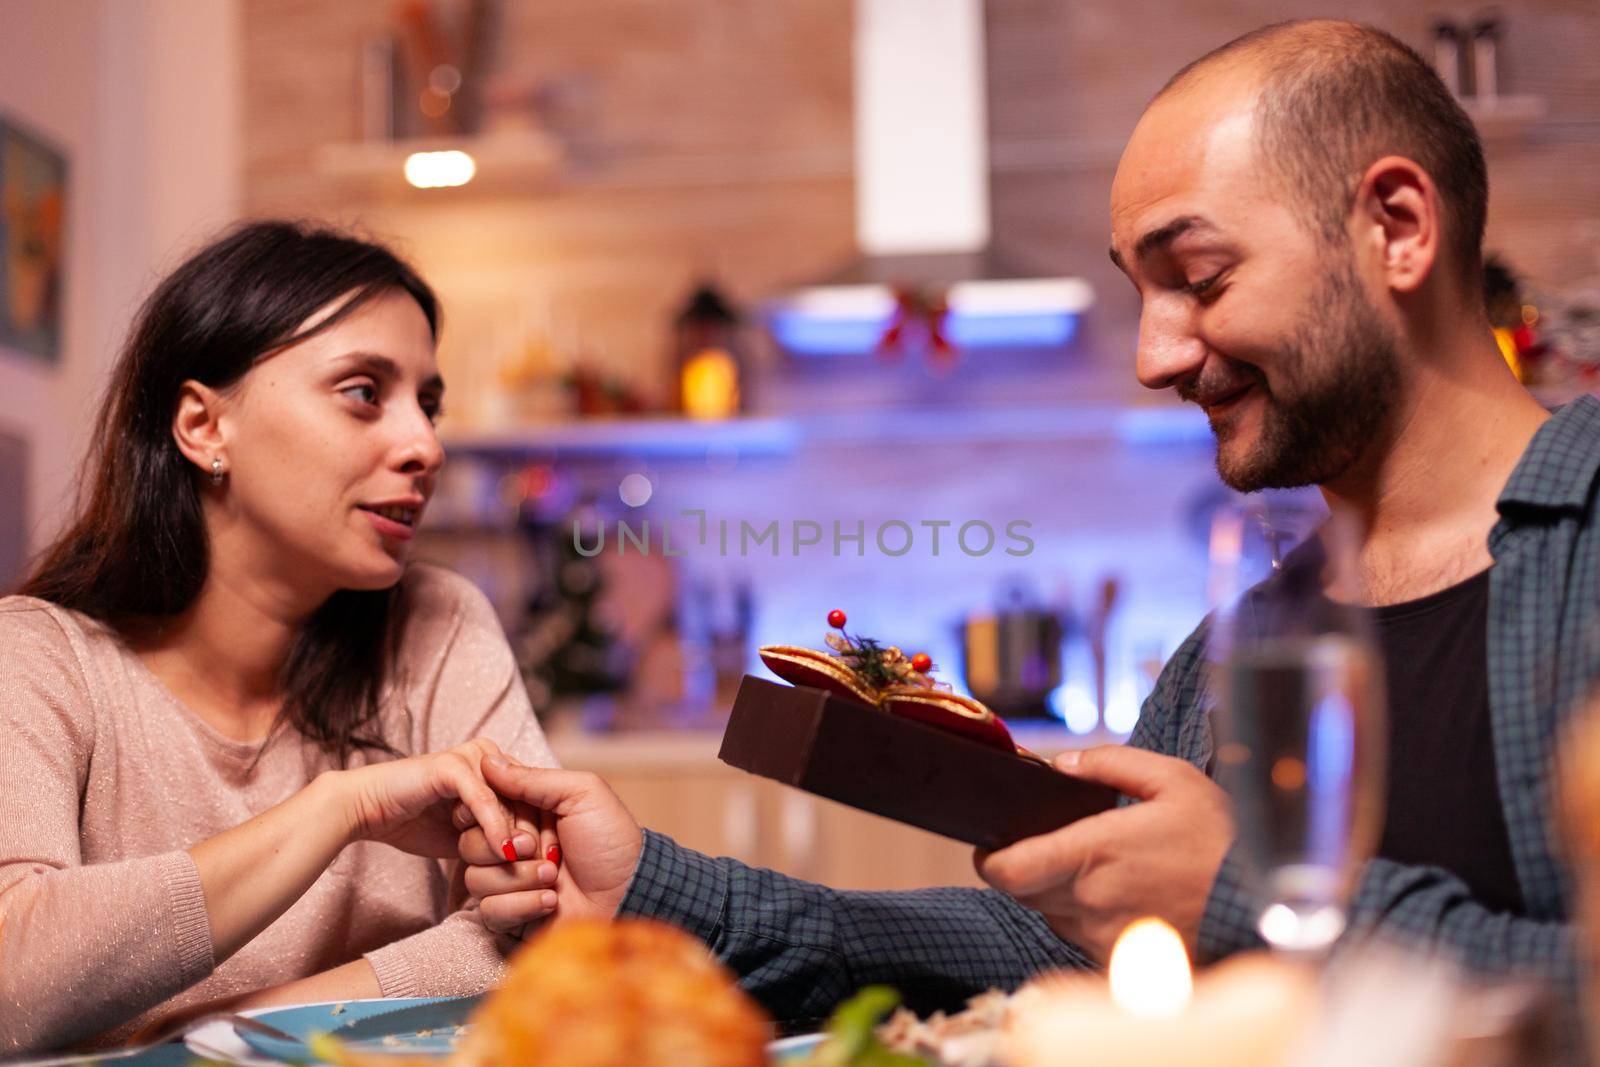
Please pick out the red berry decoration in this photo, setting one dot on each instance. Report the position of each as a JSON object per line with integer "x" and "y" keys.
{"x": 836, "y": 619}
{"x": 922, "y": 663}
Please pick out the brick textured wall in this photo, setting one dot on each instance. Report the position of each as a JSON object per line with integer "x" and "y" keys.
{"x": 715, "y": 136}
{"x": 707, "y": 136}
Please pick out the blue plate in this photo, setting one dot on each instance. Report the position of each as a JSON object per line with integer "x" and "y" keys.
{"x": 320, "y": 1018}
{"x": 792, "y": 1049}
{"x": 304, "y": 1021}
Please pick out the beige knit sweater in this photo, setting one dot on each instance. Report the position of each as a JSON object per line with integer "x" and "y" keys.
{"x": 106, "y": 779}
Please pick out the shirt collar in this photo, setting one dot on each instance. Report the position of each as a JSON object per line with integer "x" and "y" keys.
{"x": 1558, "y": 468}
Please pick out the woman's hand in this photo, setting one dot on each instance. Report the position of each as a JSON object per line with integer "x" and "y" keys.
{"x": 252, "y": 873}
{"x": 407, "y": 803}
{"x": 515, "y": 897}
{"x": 599, "y": 840}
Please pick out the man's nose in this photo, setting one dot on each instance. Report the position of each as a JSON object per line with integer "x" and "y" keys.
{"x": 1168, "y": 350}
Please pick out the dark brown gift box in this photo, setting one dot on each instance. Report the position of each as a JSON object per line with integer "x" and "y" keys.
{"x": 899, "y": 768}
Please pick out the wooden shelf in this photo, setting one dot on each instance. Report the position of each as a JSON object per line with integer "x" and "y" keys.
{"x": 503, "y": 160}
{"x": 669, "y": 438}
{"x": 641, "y": 436}
{"x": 1502, "y": 116}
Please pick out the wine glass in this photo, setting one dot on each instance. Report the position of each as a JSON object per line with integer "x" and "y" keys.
{"x": 1299, "y": 719}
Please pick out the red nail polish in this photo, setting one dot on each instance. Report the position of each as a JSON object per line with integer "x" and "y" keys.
{"x": 509, "y": 851}
{"x": 553, "y": 854}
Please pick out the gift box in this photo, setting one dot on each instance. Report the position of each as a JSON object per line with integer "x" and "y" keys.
{"x": 899, "y": 768}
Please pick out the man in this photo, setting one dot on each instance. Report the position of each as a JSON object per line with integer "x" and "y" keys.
{"x": 1301, "y": 213}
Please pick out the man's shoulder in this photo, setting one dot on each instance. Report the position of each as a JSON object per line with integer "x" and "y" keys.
{"x": 1559, "y": 468}
{"x": 1189, "y": 657}
{"x": 1175, "y": 709}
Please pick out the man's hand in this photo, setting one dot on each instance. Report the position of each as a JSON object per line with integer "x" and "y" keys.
{"x": 599, "y": 840}
{"x": 1092, "y": 878}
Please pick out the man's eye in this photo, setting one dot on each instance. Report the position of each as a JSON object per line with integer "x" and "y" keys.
{"x": 1200, "y": 287}
{"x": 365, "y": 392}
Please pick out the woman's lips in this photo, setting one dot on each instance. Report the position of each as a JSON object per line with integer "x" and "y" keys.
{"x": 389, "y": 528}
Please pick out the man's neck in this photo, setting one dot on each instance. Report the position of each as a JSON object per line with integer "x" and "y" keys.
{"x": 1424, "y": 496}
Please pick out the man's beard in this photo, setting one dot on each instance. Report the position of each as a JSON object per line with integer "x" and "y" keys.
{"x": 1338, "y": 382}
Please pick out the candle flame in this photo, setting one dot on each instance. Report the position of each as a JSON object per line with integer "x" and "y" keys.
{"x": 1150, "y": 975}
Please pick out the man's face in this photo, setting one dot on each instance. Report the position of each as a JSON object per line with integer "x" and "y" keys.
{"x": 1244, "y": 311}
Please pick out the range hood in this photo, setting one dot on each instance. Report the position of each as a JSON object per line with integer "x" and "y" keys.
{"x": 922, "y": 202}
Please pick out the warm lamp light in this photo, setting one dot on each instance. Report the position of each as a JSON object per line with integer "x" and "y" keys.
{"x": 439, "y": 170}
{"x": 1149, "y": 971}
{"x": 710, "y": 382}
{"x": 708, "y": 358}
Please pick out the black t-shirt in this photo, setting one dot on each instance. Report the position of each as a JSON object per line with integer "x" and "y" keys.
{"x": 1443, "y": 796}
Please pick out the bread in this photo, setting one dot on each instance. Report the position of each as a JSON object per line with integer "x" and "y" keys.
{"x": 597, "y": 994}
{"x": 586, "y": 993}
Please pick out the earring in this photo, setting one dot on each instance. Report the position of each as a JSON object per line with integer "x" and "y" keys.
{"x": 216, "y": 470}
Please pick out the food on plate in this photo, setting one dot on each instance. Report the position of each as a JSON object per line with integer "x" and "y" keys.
{"x": 972, "y": 1037}
{"x": 598, "y": 994}
{"x": 594, "y": 994}
{"x": 851, "y": 1039}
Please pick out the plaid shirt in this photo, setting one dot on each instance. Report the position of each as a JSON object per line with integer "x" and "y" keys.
{"x": 801, "y": 947}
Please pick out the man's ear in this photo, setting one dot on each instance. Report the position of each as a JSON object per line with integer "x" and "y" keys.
{"x": 197, "y": 426}
{"x": 1397, "y": 215}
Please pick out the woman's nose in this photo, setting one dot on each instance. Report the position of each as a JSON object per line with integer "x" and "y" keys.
{"x": 421, "y": 452}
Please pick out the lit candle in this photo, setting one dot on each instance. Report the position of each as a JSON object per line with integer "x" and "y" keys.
{"x": 1242, "y": 1013}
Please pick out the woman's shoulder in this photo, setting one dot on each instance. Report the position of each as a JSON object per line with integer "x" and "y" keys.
{"x": 446, "y": 616}
{"x": 30, "y": 626}
{"x": 457, "y": 671}
{"x": 49, "y": 652}
{"x": 436, "y": 596}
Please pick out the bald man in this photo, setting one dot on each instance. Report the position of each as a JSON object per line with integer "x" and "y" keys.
{"x": 1301, "y": 212}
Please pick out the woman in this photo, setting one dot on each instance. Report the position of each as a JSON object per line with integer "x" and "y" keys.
{"x": 233, "y": 722}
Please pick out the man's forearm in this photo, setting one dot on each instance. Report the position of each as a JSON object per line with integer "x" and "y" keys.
{"x": 801, "y": 948}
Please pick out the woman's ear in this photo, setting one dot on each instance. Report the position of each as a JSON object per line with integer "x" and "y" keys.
{"x": 197, "y": 427}
{"x": 1397, "y": 206}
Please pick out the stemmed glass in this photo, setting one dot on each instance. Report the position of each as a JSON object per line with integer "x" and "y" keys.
{"x": 1299, "y": 719}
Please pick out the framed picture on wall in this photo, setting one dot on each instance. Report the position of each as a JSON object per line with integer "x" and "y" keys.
{"x": 13, "y": 509}
{"x": 33, "y": 196}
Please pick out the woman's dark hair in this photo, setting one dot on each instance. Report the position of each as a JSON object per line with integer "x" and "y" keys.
{"x": 138, "y": 547}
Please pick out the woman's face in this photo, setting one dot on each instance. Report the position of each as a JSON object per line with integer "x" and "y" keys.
{"x": 331, "y": 450}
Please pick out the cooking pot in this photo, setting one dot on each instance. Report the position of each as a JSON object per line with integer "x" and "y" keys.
{"x": 1011, "y": 657}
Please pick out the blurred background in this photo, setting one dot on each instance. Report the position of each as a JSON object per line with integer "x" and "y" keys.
{"x": 752, "y": 311}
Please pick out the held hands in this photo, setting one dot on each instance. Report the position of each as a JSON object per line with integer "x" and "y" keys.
{"x": 599, "y": 850}
{"x": 407, "y": 803}
{"x": 1158, "y": 857}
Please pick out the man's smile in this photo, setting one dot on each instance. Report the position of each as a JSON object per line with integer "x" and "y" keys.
{"x": 1217, "y": 404}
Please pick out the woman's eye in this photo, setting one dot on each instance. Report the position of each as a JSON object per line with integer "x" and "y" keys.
{"x": 365, "y": 392}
